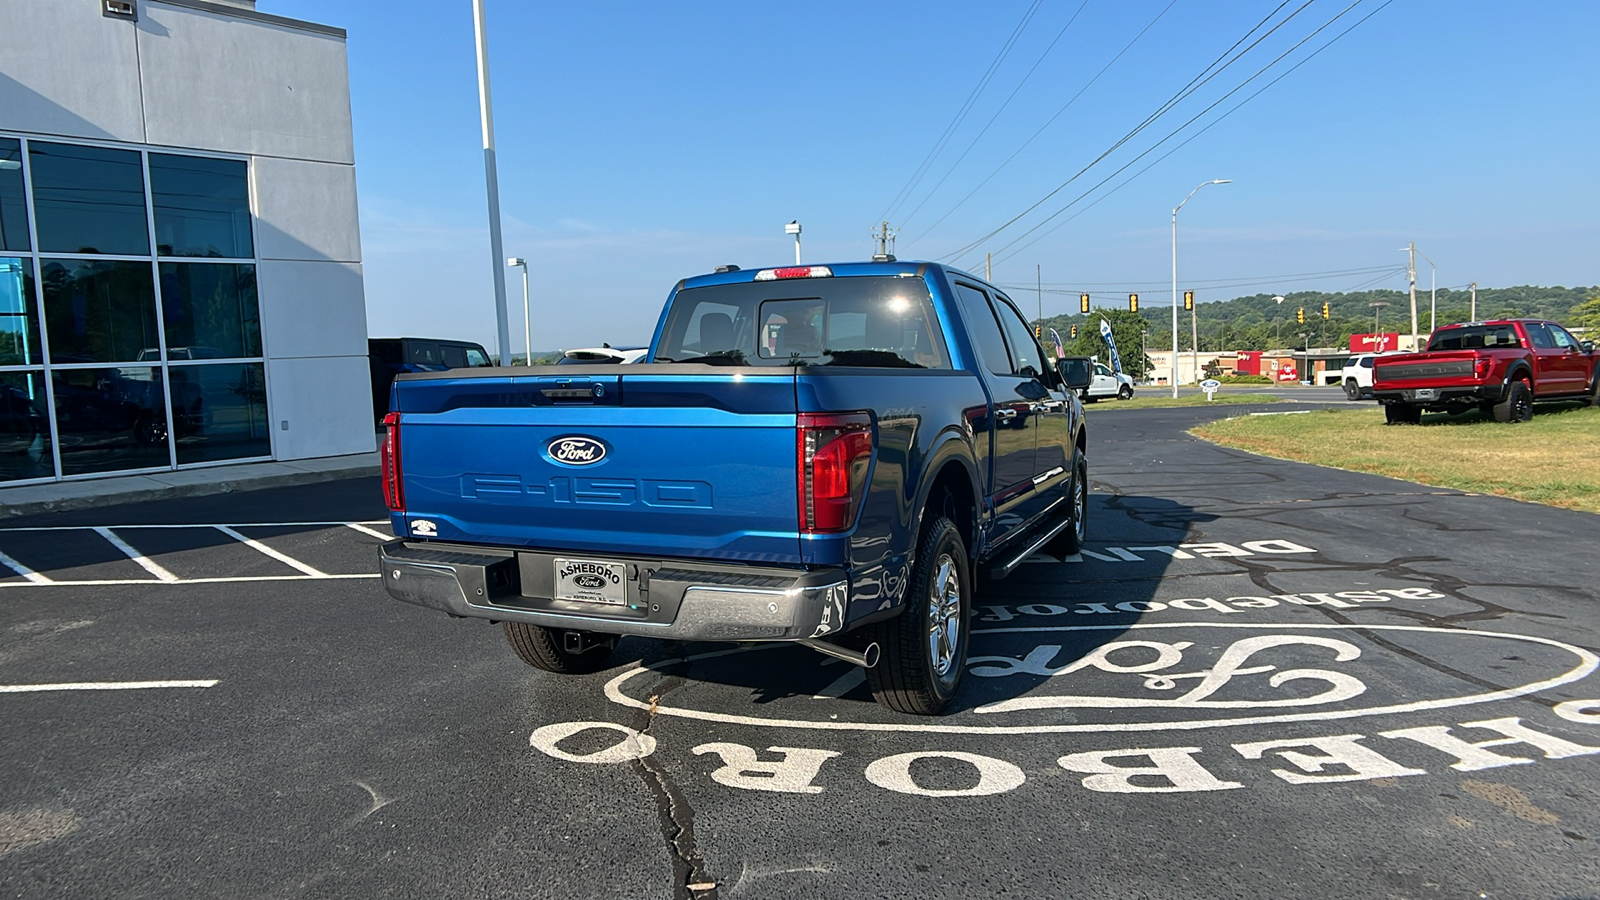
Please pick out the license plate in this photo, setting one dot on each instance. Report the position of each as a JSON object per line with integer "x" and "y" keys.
{"x": 592, "y": 581}
{"x": 1427, "y": 394}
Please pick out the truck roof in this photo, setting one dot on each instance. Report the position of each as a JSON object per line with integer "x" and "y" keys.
{"x": 735, "y": 275}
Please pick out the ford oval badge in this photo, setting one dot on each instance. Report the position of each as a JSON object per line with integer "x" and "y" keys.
{"x": 576, "y": 451}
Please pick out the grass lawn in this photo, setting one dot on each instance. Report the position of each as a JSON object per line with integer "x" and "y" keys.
{"x": 1550, "y": 460}
{"x": 1157, "y": 400}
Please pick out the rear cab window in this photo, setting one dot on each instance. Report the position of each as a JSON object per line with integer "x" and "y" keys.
{"x": 865, "y": 320}
{"x": 1475, "y": 337}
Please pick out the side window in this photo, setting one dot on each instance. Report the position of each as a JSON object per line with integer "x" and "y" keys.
{"x": 454, "y": 357}
{"x": 1539, "y": 335}
{"x": 1367, "y": 363}
{"x": 1101, "y": 370}
{"x": 985, "y": 330}
{"x": 1562, "y": 338}
{"x": 1025, "y": 356}
{"x": 422, "y": 353}
{"x": 477, "y": 358}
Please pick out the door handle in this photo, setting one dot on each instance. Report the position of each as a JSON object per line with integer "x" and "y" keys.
{"x": 1005, "y": 414}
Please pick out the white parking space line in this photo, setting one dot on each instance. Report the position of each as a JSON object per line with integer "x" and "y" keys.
{"x": 103, "y": 686}
{"x": 148, "y": 565}
{"x": 229, "y": 579}
{"x": 256, "y": 545}
{"x": 193, "y": 525}
{"x": 32, "y": 576}
{"x": 372, "y": 531}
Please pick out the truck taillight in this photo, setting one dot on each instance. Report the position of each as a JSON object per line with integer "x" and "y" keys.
{"x": 1481, "y": 367}
{"x": 389, "y": 455}
{"x": 832, "y": 454}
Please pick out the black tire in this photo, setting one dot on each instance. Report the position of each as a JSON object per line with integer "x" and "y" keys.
{"x": 1125, "y": 393}
{"x": 1401, "y": 414}
{"x": 1594, "y": 394}
{"x": 1518, "y": 404}
{"x": 1352, "y": 391}
{"x": 911, "y": 676}
{"x": 541, "y": 648}
{"x": 1070, "y": 540}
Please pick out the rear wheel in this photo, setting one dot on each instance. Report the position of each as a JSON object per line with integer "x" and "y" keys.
{"x": 1352, "y": 391}
{"x": 1402, "y": 414}
{"x": 1518, "y": 404}
{"x": 925, "y": 647}
{"x": 1071, "y": 538}
{"x": 1594, "y": 395}
{"x": 546, "y": 648}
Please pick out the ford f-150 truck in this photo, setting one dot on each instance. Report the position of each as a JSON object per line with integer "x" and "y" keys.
{"x": 1501, "y": 367}
{"x": 828, "y": 455}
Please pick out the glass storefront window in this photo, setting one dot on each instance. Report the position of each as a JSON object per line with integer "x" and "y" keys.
{"x": 13, "y": 205}
{"x": 210, "y": 310}
{"x": 24, "y": 427}
{"x": 219, "y": 412}
{"x": 19, "y": 315}
{"x": 88, "y": 199}
{"x": 110, "y": 418}
{"x": 202, "y": 206}
{"x": 99, "y": 311}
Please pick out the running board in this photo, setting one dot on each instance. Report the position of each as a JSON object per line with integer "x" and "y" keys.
{"x": 999, "y": 571}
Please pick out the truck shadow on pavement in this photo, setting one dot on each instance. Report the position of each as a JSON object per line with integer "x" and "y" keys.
{"x": 1050, "y": 618}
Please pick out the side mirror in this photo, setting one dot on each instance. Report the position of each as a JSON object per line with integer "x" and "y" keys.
{"x": 1075, "y": 373}
{"x": 1588, "y": 346}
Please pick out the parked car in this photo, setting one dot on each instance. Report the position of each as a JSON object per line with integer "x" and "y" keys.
{"x": 823, "y": 455}
{"x": 1356, "y": 376}
{"x": 388, "y": 357}
{"x": 602, "y": 355}
{"x": 1104, "y": 384}
{"x": 1502, "y": 367}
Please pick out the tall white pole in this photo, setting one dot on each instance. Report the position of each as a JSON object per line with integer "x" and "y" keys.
{"x": 1175, "y": 294}
{"x": 1175, "y": 282}
{"x": 1411, "y": 277}
{"x": 527, "y": 315}
{"x": 492, "y": 181}
{"x": 1474, "y": 316}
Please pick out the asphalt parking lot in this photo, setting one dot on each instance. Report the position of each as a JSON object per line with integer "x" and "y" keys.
{"x": 1261, "y": 679}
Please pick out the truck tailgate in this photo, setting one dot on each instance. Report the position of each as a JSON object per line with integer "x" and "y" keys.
{"x": 1438, "y": 368}
{"x": 692, "y": 461}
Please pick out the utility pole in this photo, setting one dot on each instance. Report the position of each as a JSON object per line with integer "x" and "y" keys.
{"x": 1038, "y": 280}
{"x": 883, "y": 236}
{"x": 988, "y": 268}
{"x": 1194, "y": 339}
{"x": 1411, "y": 276}
{"x": 1474, "y": 316}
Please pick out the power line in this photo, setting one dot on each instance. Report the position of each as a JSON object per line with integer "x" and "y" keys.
{"x": 985, "y": 129}
{"x": 961, "y": 114}
{"x": 1182, "y": 94}
{"x": 1048, "y": 122}
{"x": 1208, "y": 126}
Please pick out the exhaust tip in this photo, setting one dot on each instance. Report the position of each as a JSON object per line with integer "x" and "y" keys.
{"x": 870, "y": 655}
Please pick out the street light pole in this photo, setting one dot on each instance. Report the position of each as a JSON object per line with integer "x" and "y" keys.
{"x": 492, "y": 182}
{"x": 1377, "y": 308}
{"x": 527, "y": 317}
{"x": 1175, "y": 282}
{"x": 1433, "y": 294}
{"x": 794, "y": 229}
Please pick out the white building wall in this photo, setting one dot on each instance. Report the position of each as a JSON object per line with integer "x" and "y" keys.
{"x": 90, "y": 92}
{"x": 207, "y": 76}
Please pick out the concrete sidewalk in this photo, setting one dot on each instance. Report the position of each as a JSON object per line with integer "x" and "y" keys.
{"x": 118, "y": 489}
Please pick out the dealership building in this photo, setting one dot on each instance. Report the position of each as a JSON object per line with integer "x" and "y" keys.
{"x": 180, "y": 259}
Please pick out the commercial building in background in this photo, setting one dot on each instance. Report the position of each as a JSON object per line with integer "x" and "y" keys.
{"x": 180, "y": 262}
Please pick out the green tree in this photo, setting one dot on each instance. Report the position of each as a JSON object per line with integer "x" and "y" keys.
{"x": 1586, "y": 315}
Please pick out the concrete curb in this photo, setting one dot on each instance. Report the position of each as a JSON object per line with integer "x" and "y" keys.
{"x": 114, "y": 491}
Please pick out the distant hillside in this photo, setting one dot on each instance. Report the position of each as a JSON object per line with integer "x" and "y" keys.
{"x": 1258, "y": 323}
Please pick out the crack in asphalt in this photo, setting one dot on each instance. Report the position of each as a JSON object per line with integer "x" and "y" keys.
{"x": 675, "y": 814}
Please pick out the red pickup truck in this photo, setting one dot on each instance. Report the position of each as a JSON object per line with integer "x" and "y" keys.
{"x": 1501, "y": 367}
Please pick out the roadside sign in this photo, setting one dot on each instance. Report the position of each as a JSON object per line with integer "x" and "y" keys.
{"x": 1210, "y": 386}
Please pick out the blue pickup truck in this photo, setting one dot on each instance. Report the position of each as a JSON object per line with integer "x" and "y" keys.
{"x": 829, "y": 455}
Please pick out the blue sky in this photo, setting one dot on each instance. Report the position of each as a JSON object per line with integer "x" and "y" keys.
{"x": 641, "y": 143}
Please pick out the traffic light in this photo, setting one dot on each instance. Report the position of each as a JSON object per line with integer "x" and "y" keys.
{"x": 1188, "y": 300}
{"x": 1133, "y": 303}
{"x": 1038, "y": 331}
{"x": 1324, "y": 309}
{"x": 1300, "y": 315}
{"x": 1075, "y": 329}
{"x": 1083, "y": 303}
